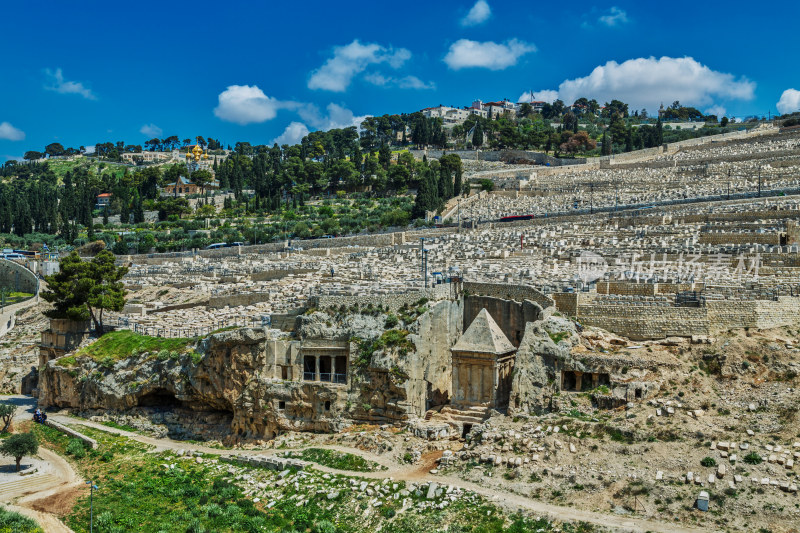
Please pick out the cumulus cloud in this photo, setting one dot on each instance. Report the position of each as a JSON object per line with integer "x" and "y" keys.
{"x": 789, "y": 102}
{"x": 293, "y": 134}
{"x": 336, "y": 117}
{"x": 60, "y": 85}
{"x": 478, "y": 14}
{"x": 10, "y": 133}
{"x": 614, "y": 17}
{"x": 351, "y": 60}
{"x": 494, "y": 56}
{"x": 646, "y": 82}
{"x": 405, "y": 82}
{"x": 245, "y": 104}
{"x": 716, "y": 110}
{"x": 538, "y": 96}
{"x": 151, "y": 130}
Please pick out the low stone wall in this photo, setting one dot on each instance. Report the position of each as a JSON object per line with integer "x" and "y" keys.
{"x": 507, "y": 291}
{"x": 740, "y": 238}
{"x": 272, "y": 462}
{"x": 639, "y": 320}
{"x": 235, "y": 300}
{"x": 176, "y": 307}
{"x": 567, "y": 302}
{"x": 16, "y": 277}
{"x": 537, "y": 158}
{"x": 72, "y": 433}
{"x": 368, "y": 241}
{"x": 270, "y": 275}
{"x": 392, "y": 302}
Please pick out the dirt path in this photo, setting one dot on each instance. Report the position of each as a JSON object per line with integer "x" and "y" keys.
{"x": 421, "y": 473}
{"x": 45, "y": 494}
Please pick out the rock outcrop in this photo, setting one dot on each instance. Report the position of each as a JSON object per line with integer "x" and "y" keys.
{"x": 230, "y": 383}
{"x": 536, "y": 371}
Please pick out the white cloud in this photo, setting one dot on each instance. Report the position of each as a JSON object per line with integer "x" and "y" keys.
{"x": 716, "y": 110}
{"x": 406, "y": 82}
{"x": 336, "y": 117}
{"x": 647, "y": 82}
{"x": 293, "y": 134}
{"x": 10, "y": 133}
{"x": 494, "y": 56}
{"x": 614, "y": 17}
{"x": 151, "y": 130}
{"x": 245, "y": 104}
{"x": 350, "y": 60}
{"x": 789, "y": 102}
{"x": 60, "y": 85}
{"x": 538, "y": 96}
{"x": 478, "y": 14}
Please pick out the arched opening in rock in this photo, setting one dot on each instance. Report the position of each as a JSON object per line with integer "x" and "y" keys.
{"x": 160, "y": 398}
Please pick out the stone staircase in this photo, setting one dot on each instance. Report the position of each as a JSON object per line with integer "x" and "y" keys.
{"x": 18, "y": 487}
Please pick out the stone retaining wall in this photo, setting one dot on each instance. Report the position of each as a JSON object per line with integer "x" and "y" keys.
{"x": 392, "y": 302}
{"x": 640, "y": 323}
{"x": 72, "y": 433}
{"x": 278, "y": 464}
{"x": 15, "y": 277}
{"x": 641, "y": 320}
{"x": 740, "y": 238}
{"x": 235, "y": 300}
{"x": 506, "y": 291}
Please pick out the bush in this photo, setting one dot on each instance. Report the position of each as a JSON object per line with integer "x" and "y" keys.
{"x": 708, "y": 461}
{"x": 391, "y": 322}
{"x": 76, "y": 449}
{"x": 15, "y": 522}
{"x": 753, "y": 458}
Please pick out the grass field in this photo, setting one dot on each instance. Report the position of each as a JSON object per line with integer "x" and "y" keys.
{"x": 118, "y": 345}
{"x": 159, "y": 492}
{"x": 334, "y": 459}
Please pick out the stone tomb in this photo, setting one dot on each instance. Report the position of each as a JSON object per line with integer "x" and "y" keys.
{"x": 483, "y": 359}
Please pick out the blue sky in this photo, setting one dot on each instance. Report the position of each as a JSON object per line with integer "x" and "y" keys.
{"x": 88, "y": 72}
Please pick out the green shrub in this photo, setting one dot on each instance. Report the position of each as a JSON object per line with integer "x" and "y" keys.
{"x": 753, "y": 458}
{"x": 76, "y": 449}
{"x": 708, "y": 461}
{"x": 16, "y": 523}
{"x": 391, "y": 321}
{"x": 163, "y": 355}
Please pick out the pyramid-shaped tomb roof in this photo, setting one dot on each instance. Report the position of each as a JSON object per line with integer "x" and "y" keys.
{"x": 484, "y": 336}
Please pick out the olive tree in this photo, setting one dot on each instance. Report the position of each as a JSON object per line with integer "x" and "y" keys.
{"x": 19, "y": 445}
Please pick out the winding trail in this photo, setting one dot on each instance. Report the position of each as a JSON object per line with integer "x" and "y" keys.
{"x": 41, "y": 493}
{"x": 45, "y": 493}
{"x": 508, "y": 500}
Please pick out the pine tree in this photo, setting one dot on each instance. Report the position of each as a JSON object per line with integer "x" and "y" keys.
{"x": 138, "y": 209}
{"x": 477, "y": 135}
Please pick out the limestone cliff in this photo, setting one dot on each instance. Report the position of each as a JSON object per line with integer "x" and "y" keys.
{"x": 251, "y": 383}
{"x": 536, "y": 373}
